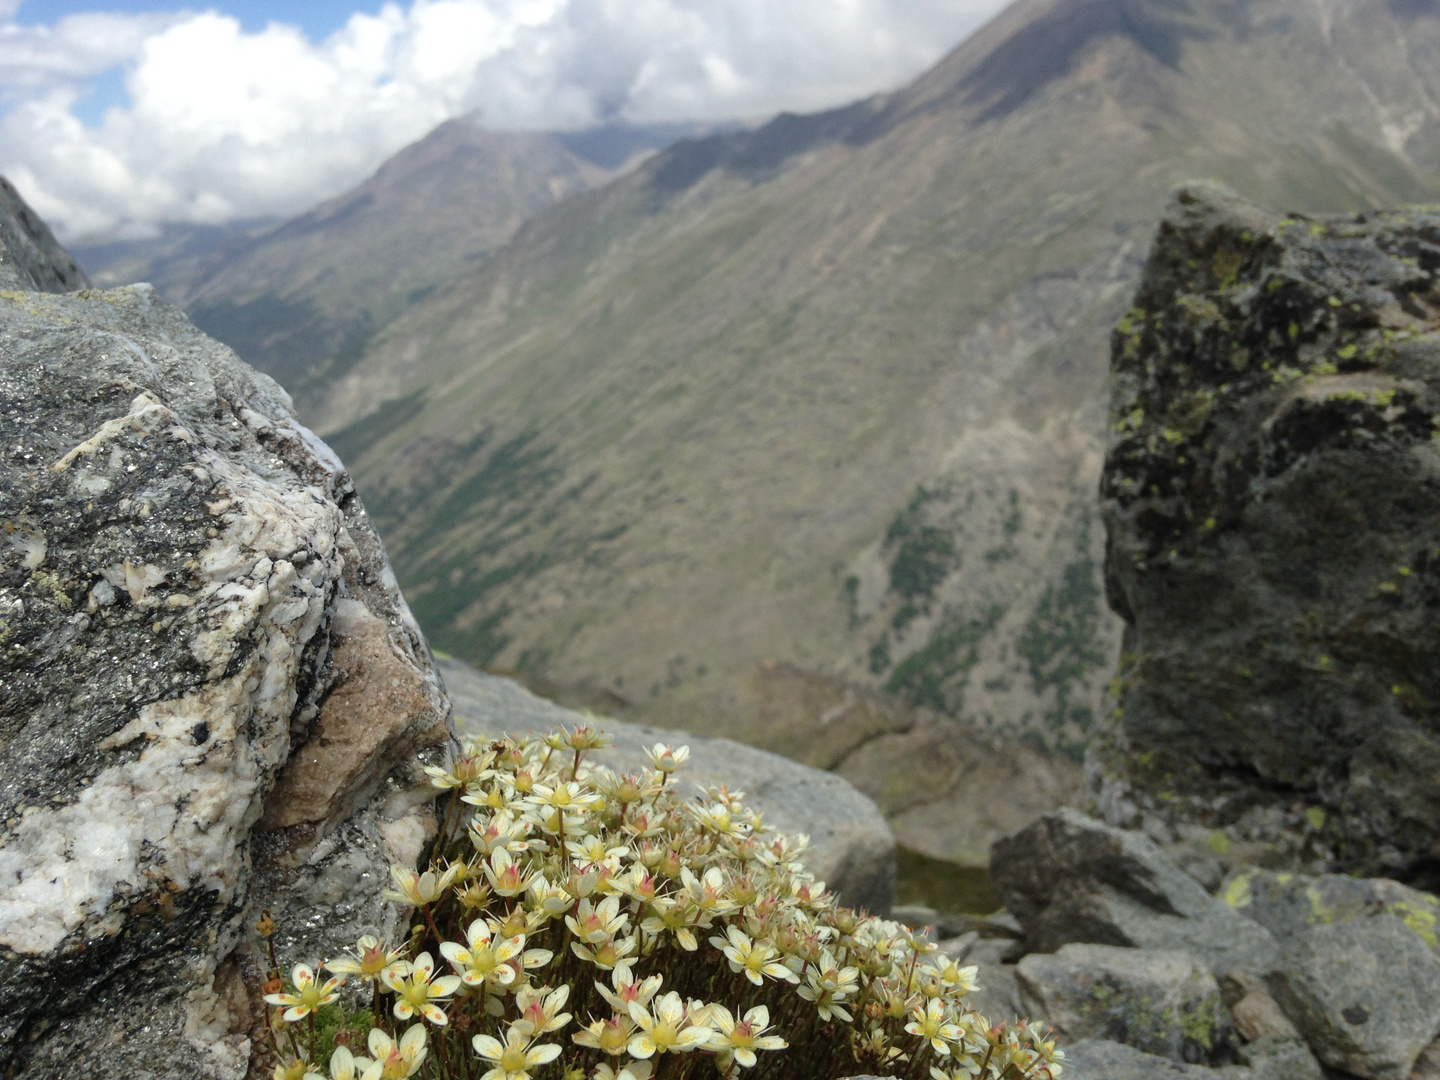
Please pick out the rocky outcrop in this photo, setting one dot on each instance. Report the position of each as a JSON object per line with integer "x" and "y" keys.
{"x": 30, "y": 256}
{"x": 851, "y": 847}
{"x": 1102, "y": 1059}
{"x": 213, "y": 699}
{"x": 1164, "y": 1003}
{"x": 1272, "y": 501}
{"x": 1069, "y": 878}
{"x": 1332, "y": 968}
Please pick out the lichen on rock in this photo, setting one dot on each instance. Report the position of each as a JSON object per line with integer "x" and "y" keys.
{"x": 1272, "y": 501}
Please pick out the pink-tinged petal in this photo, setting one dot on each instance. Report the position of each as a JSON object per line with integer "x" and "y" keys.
{"x": 488, "y": 1047}
{"x": 436, "y": 1015}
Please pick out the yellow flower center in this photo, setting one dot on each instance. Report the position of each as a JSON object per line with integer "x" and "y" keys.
{"x": 613, "y": 1037}
{"x": 513, "y": 1059}
{"x": 416, "y": 992}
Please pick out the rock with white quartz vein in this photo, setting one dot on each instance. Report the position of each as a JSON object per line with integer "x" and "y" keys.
{"x": 213, "y": 699}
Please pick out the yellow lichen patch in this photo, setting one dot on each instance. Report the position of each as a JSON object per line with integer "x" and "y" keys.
{"x": 1131, "y": 320}
{"x": 1189, "y": 412}
{"x": 1419, "y": 920}
{"x": 1237, "y": 893}
{"x": 1200, "y": 309}
{"x": 1315, "y": 817}
{"x": 1226, "y": 266}
{"x": 1319, "y": 912}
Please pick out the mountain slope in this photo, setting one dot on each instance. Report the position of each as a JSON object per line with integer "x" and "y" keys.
{"x": 833, "y": 391}
{"x": 296, "y": 299}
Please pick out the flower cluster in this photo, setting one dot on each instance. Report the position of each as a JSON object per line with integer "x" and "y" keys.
{"x": 596, "y": 925}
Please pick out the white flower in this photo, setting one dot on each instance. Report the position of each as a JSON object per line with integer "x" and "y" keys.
{"x": 667, "y": 760}
{"x": 309, "y": 995}
{"x": 396, "y": 1061}
{"x": 740, "y": 1039}
{"x": 667, "y": 1030}
{"x": 416, "y": 993}
{"x": 514, "y": 1059}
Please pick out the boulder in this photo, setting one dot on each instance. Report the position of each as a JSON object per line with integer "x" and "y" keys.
{"x": 1271, "y": 494}
{"x": 1289, "y": 904}
{"x": 1365, "y": 994}
{"x": 1360, "y": 971}
{"x": 1164, "y": 1003}
{"x": 1101, "y": 1059}
{"x": 1069, "y": 878}
{"x": 213, "y": 699}
{"x": 1266, "y": 1041}
{"x": 851, "y": 846}
{"x": 1280, "y": 1057}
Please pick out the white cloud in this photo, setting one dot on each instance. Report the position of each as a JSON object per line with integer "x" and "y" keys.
{"x": 223, "y": 124}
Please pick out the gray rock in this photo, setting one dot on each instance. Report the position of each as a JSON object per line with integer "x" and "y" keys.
{"x": 998, "y": 997}
{"x": 1365, "y": 994}
{"x": 30, "y": 256}
{"x": 213, "y": 699}
{"x": 1270, "y": 495}
{"x": 1100, "y": 1059}
{"x": 1427, "y": 1065}
{"x": 851, "y": 846}
{"x": 1289, "y": 904}
{"x": 1164, "y": 1003}
{"x": 1280, "y": 1057}
{"x": 1070, "y": 878}
{"x": 991, "y": 951}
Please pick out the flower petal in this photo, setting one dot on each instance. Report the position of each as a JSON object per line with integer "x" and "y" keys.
{"x": 543, "y": 1054}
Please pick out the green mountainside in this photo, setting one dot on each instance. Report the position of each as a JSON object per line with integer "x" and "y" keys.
{"x": 832, "y": 392}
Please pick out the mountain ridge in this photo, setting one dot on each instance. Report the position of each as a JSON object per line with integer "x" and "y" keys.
{"x": 837, "y": 398}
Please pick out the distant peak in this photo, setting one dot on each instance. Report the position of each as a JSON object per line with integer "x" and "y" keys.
{"x": 1047, "y": 47}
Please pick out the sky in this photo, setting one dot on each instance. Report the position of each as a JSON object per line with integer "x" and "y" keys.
{"x": 117, "y": 116}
